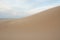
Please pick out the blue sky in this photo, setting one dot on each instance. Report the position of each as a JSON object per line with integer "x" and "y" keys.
{"x": 22, "y": 8}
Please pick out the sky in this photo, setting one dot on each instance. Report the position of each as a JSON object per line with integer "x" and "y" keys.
{"x": 23, "y": 8}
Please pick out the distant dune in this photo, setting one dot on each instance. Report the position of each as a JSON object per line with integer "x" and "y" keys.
{"x": 42, "y": 26}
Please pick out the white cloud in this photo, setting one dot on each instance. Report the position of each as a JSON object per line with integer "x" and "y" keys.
{"x": 21, "y": 7}
{"x": 4, "y": 6}
{"x": 40, "y": 9}
{"x": 14, "y": 9}
{"x": 8, "y": 4}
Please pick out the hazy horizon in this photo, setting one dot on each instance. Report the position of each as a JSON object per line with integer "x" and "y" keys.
{"x": 23, "y": 8}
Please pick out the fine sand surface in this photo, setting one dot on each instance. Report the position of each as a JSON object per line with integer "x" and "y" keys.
{"x": 42, "y": 26}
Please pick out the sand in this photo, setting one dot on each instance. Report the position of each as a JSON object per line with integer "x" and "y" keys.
{"x": 42, "y": 26}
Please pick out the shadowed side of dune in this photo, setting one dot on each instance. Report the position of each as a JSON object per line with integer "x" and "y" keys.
{"x": 42, "y": 26}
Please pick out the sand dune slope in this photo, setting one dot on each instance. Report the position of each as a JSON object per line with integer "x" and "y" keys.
{"x": 42, "y": 26}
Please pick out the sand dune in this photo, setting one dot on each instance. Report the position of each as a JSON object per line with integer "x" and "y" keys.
{"x": 42, "y": 26}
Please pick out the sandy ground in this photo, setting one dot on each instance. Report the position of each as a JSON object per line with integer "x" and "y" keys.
{"x": 42, "y": 26}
